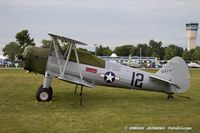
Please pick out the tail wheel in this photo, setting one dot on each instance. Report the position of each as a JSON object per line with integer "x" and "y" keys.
{"x": 44, "y": 94}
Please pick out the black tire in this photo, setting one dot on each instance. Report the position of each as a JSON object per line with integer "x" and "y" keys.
{"x": 44, "y": 94}
{"x": 51, "y": 90}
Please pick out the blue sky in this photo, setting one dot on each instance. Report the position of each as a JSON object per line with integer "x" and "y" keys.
{"x": 106, "y": 22}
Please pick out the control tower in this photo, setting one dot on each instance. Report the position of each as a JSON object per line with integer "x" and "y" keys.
{"x": 191, "y": 34}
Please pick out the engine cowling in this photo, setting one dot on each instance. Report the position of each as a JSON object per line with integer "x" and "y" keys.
{"x": 35, "y": 59}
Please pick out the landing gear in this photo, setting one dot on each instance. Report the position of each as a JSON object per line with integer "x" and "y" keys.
{"x": 51, "y": 90}
{"x": 75, "y": 89}
{"x": 170, "y": 97}
{"x": 44, "y": 94}
{"x": 81, "y": 94}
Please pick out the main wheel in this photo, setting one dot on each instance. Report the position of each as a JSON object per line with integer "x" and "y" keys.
{"x": 41, "y": 86}
{"x": 44, "y": 94}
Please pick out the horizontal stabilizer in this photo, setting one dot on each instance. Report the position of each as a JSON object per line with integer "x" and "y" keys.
{"x": 158, "y": 78}
{"x": 76, "y": 80}
{"x": 163, "y": 80}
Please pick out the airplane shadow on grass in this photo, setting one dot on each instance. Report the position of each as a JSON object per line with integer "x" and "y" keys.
{"x": 114, "y": 99}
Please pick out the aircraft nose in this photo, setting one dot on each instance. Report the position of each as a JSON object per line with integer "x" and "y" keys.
{"x": 26, "y": 57}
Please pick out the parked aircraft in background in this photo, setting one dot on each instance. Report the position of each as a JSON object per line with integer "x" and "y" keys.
{"x": 193, "y": 65}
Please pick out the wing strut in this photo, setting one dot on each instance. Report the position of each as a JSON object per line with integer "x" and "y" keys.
{"x": 67, "y": 59}
{"x": 60, "y": 56}
{"x": 77, "y": 59}
{"x": 57, "y": 54}
{"x": 72, "y": 47}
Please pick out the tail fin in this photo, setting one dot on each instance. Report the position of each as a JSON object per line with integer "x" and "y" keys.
{"x": 176, "y": 71}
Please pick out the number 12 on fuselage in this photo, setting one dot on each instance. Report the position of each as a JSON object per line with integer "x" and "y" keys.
{"x": 137, "y": 79}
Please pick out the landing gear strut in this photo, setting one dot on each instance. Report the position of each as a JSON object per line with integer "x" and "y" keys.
{"x": 81, "y": 95}
{"x": 75, "y": 89}
{"x": 44, "y": 94}
{"x": 170, "y": 97}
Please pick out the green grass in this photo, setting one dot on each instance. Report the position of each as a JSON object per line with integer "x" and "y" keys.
{"x": 106, "y": 110}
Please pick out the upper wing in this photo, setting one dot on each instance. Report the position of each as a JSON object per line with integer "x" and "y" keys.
{"x": 65, "y": 39}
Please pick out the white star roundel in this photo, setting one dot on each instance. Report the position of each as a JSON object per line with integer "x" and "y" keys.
{"x": 109, "y": 77}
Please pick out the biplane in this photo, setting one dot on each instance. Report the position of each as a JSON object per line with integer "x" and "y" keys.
{"x": 87, "y": 70}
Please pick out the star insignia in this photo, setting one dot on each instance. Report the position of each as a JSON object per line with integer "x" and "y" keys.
{"x": 109, "y": 77}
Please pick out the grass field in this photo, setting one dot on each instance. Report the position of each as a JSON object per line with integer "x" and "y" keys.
{"x": 106, "y": 110}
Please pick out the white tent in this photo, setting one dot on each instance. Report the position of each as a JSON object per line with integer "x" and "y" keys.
{"x": 3, "y": 57}
{"x": 113, "y": 55}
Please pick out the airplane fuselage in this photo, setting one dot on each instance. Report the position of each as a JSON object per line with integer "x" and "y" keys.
{"x": 113, "y": 75}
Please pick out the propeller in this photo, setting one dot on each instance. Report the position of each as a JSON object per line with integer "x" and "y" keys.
{"x": 20, "y": 57}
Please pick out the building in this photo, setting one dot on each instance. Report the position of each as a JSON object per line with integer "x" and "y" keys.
{"x": 191, "y": 34}
{"x": 4, "y": 62}
{"x": 133, "y": 61}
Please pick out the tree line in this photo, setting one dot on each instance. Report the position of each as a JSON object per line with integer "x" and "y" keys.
{"x": 152, "y": 49}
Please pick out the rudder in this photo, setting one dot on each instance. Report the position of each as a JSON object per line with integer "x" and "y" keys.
{"x": 176, "y": 71}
